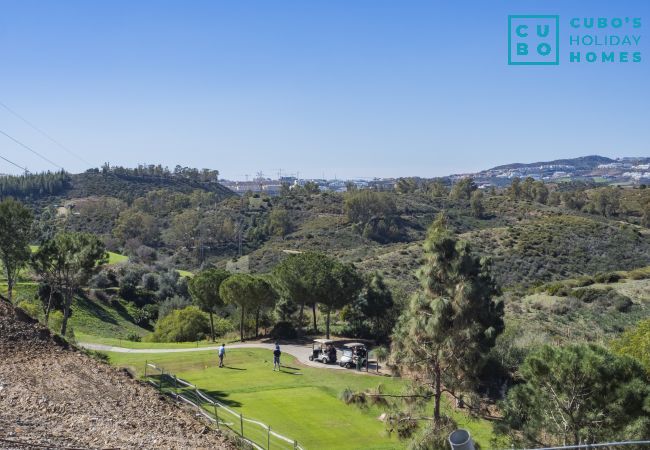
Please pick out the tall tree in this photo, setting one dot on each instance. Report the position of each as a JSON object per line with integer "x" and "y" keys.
{"x": 239, "y": 289}
{"x": 15, "y": 228}
{"x": 452, "y": 321}
{"x": 295, "y": 278}
{"x": 204, "y": 289}
{"x": 577, "y": 394}
{"x": 374, "y": 303}
{"x": 463, "y": 188}
{"x": 338, "y": 285}
{"x": 280, "y": 222}
{"x": 515, "y": 189}
{"x": 66, "y": 262}
{"x": 265, "y": 297}
{"x": 476, "y": 203}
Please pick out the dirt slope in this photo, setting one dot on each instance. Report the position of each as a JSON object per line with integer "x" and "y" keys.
{"x": 54, "y": 395}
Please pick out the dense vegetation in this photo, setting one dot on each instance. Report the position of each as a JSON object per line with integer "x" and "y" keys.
{"x": 506, "y": 272}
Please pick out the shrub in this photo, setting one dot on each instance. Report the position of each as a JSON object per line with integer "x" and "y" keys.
{"x": 150, "y": 282}
{"x": 584, "y": 281}
{"x": 609, "y": 277}
{"x": 639, "y": 274}
{"x": 622, "y": 303}
{"x": 181, "y": 325}
{"x": 104, "y": 279}
{"x": 171, "y": 304}
{"x": 283, "y": 330}
{"x": 222, "y": 326}
{"x": 554, "y": 288}
{"x": 133, "y": 337}
{"x": 32, "y": 309}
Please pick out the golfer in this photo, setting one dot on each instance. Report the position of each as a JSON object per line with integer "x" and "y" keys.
{"x": 222, "y": 352}
{"x": 276, "y": 357}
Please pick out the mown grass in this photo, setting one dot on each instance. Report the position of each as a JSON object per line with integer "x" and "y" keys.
{"x": 123, "y": 342}
{"x": 300, "y": 402}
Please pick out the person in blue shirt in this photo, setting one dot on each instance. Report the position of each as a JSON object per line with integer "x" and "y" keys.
{"x": 222, "y": 352}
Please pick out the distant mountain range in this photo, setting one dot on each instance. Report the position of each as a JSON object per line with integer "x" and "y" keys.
{"x": 582, "y": 162}
{"x": 595, "y": 168}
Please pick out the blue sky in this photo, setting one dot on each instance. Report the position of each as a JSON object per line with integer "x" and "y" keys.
{"x": 352, "y": 88}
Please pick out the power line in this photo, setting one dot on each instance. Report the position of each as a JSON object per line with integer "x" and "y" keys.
{"x": 45, "y": 134}
{"x": 13, "y": 163}
{"x": 32, "y": 150}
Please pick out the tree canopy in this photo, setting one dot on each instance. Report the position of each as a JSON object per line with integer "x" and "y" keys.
{"x": 204, "y": 289}
{"x": 577, "y": 394}
{"x": 15, "y": 229}
{"x": 66, "y": 263}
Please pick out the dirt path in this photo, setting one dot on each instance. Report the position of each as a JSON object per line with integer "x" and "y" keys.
{"x": 301, "y": 352}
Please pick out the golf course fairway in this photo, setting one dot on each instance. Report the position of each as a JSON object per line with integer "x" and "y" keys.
{"x": 299, "y": 402}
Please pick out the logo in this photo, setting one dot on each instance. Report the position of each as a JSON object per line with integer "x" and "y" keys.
{"x": 534, "y": 40}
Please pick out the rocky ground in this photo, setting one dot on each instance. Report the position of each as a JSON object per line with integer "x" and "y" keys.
{"x": 58, "y": 397}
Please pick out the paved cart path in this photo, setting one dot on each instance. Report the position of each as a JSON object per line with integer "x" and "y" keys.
{"x": 301, "y": 352}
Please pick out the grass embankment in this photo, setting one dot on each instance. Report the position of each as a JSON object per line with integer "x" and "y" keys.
{"x": 91, "y": 319}
{"x": 299, "y": 402}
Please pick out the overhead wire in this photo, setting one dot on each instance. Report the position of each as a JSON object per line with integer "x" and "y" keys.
{"x": 31, "y": 150}
{"x": 13, "y": 163}
{"x": 80, "y": 158}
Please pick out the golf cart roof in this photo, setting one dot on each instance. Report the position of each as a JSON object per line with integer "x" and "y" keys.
{"x": 323, "y": 341}
{"x": 355, "y": 344}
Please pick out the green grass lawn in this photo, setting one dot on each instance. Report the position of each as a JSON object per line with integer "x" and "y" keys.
{"x": 300, "y": 402}
{"x": 122, "y": 342}
{"x": 115, "y": 258}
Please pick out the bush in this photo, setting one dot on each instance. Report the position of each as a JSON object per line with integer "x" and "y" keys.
{"x": 283, "y": 330}
{"x": 584, "y": 281}
{"x": 222, "y": 326}
{"x": 639, "y": 274}
{"x": 150, "y": 282}
{"x": 104, "y": 279}
{"x": 622, "y": 303}
{"x": 133, "y": 337}
{"x": 609, "y": 277}
{"x": 171, "y": 304}
{"x": 182, "y": 325}
{"x": 32, "y": 309}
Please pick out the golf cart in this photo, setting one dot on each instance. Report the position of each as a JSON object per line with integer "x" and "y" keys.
{"x": 323, "y": 351}
{"x": 351, "y": 354}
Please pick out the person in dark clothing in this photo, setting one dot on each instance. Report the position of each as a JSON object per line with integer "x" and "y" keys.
{"x": 276, "y": 357}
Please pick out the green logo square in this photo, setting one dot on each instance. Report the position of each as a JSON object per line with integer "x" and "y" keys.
{"x": 533, "y": 40}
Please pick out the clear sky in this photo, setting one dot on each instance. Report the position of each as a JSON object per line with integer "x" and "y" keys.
{"x": 352, "y": 88}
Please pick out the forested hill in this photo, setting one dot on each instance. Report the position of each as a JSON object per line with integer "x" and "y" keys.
{"x": 126, "y": 185}
{"x": 583, "y": 162}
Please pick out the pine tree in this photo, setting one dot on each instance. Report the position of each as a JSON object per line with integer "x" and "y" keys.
{"x": 452, "y": 321}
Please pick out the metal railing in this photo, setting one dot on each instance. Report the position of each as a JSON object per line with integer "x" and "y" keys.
{"x": 258, "y": 434}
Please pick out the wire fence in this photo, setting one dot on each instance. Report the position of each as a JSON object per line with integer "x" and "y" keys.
{"x": 258, "y": 434}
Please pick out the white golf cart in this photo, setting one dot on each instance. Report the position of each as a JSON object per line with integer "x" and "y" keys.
{"x": 350, "y": 354}
{"x": 323, "y": 350}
